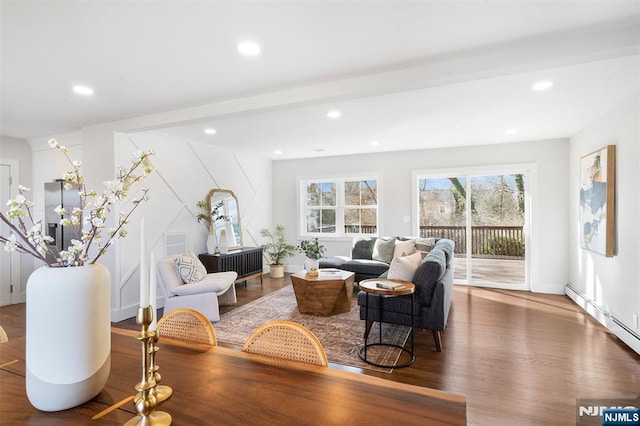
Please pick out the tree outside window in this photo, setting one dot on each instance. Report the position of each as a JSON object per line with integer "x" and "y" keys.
{"x": 341, "y": 206}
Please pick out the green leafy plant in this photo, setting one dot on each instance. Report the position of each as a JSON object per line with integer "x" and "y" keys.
{"x": 207, "y": 212}
{"x": 503, "y": 246}
{"x": 277, "y": 249}
{"x": 312, "y": 249}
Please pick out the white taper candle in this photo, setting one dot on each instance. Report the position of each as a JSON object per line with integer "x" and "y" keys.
{"x": 144, "y": 276}
{"x": 152, "y": 292}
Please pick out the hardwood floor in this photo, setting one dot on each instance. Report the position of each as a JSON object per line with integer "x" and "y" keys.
{"x": 518, "y": 357}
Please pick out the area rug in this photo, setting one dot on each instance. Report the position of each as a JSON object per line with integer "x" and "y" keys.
{"x": 341, "y": 335}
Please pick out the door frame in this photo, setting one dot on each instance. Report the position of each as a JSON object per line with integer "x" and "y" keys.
{"x": 17, "y": 296}
{"x": 531, "y": 178}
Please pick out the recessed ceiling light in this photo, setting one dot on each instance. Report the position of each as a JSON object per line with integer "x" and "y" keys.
{"x": 319, "y": 149}
{"x": 277, "y": 152}
{"x": 510, "y": 132}
{"x": 210, "y": 131}
{"x": 374, "y": 143}
{"x": 334, "y": 114}
{"x": 249, "y": 48}
{"x": 83, "y": 90}
{"x": 542, "y": 85}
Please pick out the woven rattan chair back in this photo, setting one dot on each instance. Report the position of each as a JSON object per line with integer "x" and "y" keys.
{"x": 3, "y": 336}
{"x": 288, "y": 341}
{"x": 187, "y": 328}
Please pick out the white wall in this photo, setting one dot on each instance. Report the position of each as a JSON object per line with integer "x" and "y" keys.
{"x": 549, "y": 209}
{"x": 185, "y": 172}
{"x": 611, "y": 283}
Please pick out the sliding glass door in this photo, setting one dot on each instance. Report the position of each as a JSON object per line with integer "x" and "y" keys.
{"x": 485, "y": 214}
{"x": 443, "y": 214}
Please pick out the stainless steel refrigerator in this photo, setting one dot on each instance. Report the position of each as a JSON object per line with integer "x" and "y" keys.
{"x": 55, "y": 195}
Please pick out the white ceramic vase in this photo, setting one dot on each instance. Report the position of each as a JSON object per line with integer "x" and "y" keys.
{"x": 312, "y": 266}
{"x": 68, "y": 349}
{"x": 212, "y": 244}
{"x": 224, "y": 243}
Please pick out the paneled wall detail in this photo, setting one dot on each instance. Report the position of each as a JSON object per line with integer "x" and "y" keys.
{"x": 185, "y": 172}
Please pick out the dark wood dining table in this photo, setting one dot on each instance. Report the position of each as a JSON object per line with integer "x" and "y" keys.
{"x": 227, "y": 386}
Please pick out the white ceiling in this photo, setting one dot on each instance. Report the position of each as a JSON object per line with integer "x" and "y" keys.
{"x": 406, "y": 74}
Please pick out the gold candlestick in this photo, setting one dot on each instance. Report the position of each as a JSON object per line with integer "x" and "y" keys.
{"x": 162, "y": 392}
{"x": 147, "y": 402}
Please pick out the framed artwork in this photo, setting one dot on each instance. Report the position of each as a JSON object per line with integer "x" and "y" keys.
{"x": 597, "y": 201}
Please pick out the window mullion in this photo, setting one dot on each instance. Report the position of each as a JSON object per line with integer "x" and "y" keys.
{"x": 340, "y": 207}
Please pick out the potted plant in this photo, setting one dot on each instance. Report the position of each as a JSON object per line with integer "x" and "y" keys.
{"x": 72, "y": 291}
{"x": 314, "y": 252}
{"x": 277, "y": 250}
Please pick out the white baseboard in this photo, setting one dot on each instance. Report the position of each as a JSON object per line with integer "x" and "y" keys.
{"x": 624, "y": 333}
{"x": 293, "y": 268}
{"x": 127, "y": 312}
{"x": 122, "y": 314}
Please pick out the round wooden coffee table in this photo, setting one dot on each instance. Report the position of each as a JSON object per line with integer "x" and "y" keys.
{"x": 384, "y": 287}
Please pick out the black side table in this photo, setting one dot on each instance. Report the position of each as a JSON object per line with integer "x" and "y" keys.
{"x": 395, "y": 288}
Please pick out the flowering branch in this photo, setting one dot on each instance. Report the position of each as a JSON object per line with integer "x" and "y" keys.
{"x": 32, "y": 241}
{"x": 90, "y": 214}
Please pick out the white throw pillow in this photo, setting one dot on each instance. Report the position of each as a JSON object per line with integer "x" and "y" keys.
{"x": 189, "y": 267}
{"x": 404, "y": 248}
{"x": 404, "y": 267}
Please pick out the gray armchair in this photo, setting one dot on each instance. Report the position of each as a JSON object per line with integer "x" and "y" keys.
{"x": 434, "y": 286}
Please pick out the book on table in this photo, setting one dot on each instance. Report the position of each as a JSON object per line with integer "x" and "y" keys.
{"x": 329, "y": 272}
{"x": 388, "y": 285}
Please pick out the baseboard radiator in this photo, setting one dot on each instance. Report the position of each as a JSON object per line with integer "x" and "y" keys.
{"x": 604, "y": 317}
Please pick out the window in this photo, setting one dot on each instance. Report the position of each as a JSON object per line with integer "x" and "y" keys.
{"x": 344, "y": 206}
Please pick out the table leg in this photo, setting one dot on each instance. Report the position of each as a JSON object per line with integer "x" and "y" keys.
{"x": 380, "y": 317}
{"x": 366, "y": 322}
{"x": 362, "y": 352}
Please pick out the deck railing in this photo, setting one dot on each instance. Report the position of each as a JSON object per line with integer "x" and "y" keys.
{"x": 489, "y": 241}
{"x": 360, "y": 229}
{"x": 486, "y": 241}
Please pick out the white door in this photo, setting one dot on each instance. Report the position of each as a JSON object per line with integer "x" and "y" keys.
{"x": 5, "y": 257}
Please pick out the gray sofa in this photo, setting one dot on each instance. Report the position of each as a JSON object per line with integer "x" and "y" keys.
{"x": 368, "y": 256}
{"x": 434, "y": 286}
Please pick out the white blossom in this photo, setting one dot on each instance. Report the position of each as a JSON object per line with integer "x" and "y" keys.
{"x": 113, "y": 185}
{"x": 53, "y": 143}
{"x": 11, "y": 244}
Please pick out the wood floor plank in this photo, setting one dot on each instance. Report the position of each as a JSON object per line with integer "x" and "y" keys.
{"x": 518, "y": 357}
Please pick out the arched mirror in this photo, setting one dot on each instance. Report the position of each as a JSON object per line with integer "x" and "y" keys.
{"x": 225, "y": 217}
